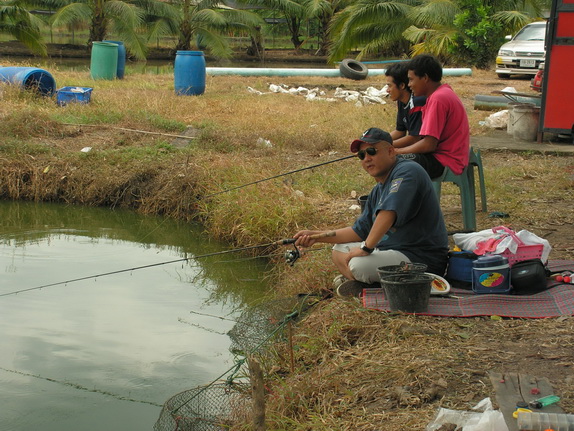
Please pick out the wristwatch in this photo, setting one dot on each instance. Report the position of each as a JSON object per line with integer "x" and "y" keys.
{"x": 365, "y": 248}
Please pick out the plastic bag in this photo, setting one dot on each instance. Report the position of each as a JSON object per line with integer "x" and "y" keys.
{"x": 497, "y": 242}
{"x": 484, "y": 418}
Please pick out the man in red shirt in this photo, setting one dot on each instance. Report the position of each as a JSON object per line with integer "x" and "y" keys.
{"x": 445, "y": 129}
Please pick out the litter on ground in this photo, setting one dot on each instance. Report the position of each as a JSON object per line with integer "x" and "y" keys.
{"x": 369, "y": 96}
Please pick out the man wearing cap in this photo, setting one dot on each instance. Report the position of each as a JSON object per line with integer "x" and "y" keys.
{"x": 402, "y": 220}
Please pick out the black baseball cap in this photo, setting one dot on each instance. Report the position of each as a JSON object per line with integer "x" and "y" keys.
{"x": 371, "y": 136}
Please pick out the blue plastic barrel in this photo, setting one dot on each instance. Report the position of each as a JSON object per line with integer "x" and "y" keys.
{"x": 121, "y": 58}
{"x": 189, "y": 73}
{"x": 29, "y": 78}
{"x": 104, "y": 61}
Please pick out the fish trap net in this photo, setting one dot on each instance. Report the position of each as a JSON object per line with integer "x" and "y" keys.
{"x": 217, "y": 406}
{"x": 212, "y": 407}
{"x": 262, "y": 323}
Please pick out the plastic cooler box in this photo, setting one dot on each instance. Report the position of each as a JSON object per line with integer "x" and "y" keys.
{"x": 73, "y": 95}
{"x": 491, "y": 274}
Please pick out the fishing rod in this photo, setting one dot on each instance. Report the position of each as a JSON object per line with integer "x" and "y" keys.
{"x": 291, "y": 257}
{"x": 278, "y": 175}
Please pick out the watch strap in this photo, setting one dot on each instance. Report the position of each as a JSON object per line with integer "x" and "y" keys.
{"x": 365, "y": 248}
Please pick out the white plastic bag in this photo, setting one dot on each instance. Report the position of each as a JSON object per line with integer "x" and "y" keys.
{"x": 472, "y": 241}
{"x": 483, "y": 418}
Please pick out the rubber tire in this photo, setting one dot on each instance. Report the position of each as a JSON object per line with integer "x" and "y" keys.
{"x": 353, "y": 69}
{"x": 503, "y": 75}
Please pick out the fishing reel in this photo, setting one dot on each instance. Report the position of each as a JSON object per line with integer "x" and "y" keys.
{"x": 291, "y": 256}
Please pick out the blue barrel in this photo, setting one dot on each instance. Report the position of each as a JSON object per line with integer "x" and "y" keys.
{"x": 29, "y": 78}
{"x": 121, "y": 58}
{"x": 189, "y": 73}
{"x": 104, "y": 61}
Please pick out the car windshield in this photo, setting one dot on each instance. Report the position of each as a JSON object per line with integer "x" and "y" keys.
{"x": 531, "y": 32}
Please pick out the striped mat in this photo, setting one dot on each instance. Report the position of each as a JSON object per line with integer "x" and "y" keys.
{"x": 558, "y": 300}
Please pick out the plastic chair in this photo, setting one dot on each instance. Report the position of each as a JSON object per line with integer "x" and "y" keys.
{"x": 465, "y": 183}
{"x": 476, "y": 160}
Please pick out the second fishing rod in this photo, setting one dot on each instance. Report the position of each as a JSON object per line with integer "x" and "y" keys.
{"x": 278, "y": 176}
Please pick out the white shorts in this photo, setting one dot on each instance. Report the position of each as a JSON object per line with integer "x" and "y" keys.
{"x": 364, "y": 268}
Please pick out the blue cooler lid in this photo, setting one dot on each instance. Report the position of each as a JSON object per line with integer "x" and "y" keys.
{"x": 489, "y": 261}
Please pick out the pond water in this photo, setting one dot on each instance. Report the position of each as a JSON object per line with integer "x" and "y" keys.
{"x": 104, "y": 353}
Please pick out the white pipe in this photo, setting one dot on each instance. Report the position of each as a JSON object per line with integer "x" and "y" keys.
{"x": 262, "y": 71}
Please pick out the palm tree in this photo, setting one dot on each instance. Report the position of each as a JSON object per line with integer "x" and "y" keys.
{"x": 293, "y": 12}
{"x": 209, "y": 21}
{"x": 324, "y": 10}
{"x": 17, "y": 21}
{"x": 370, "y": 26}
{"x": 433, "y": 30}
{"x": 123, "y": 18}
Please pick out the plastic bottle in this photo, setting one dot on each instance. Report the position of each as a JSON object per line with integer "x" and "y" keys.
{"x": 537, "y": 421}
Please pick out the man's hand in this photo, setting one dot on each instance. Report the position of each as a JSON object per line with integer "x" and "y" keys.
{"x": 355, "y": 252}
{"x": 303, "y": 238}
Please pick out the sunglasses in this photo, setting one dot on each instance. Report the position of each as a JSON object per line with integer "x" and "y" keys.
{"x": 371, "y": 151}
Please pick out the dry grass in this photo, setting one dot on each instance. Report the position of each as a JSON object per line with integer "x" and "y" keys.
{"x": 364, "y": 370}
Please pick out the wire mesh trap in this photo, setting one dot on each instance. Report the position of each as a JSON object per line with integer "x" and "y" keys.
{"x": 212, "y": 407}
{"x": 258, "y": 325}
{"x": 219, "y": 405}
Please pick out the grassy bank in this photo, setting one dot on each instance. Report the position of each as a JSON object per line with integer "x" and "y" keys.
{"x": 354, "y": 369}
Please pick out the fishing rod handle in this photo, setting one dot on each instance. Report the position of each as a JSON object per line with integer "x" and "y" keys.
{"x": 316, "y": 236}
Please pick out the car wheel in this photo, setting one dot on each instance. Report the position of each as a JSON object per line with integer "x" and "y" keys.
{"x": 353, "y": 69}
{"x": 503, "y": 75}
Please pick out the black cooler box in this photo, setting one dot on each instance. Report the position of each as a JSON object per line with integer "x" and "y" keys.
{"x": 528, "y": 277}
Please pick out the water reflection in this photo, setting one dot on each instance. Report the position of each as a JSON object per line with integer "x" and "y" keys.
{"x": 104, "y": 353}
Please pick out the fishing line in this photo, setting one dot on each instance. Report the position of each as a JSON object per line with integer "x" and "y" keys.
{"x": 279, "y": 175}
{"x": 80, "y": 387}
{"x": 213, "y": 315}
{"x": 197, "y": 325}
{"x": 184, "y": 259}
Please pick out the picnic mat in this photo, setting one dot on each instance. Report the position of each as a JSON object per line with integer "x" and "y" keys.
{"x": 558, "y": 300}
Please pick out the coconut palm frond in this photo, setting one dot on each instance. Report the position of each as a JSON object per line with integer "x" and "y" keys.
{"x": 242, "y": 17}
{"x": 127, "y": 14}
{"x": 415, "y": 34}
{"x": 71, "y": 14}
{"x": 160, "y": 28}
{"x": 350, "y": 28}
{"x": 16, "y": 22}
{"x": 317, "y": 7}
{"x": 511, "y": 20}
{"x": 215, "y": 42}
{"x": 288, "y": 6}
{"x": 210, "y": 18}
{"x": 438, "y": 42}
{"x": 434, "y": 12}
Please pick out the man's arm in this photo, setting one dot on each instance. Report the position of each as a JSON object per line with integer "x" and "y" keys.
{"x": 406, "y": 141}
{"x": 343, "y": 235}
{"x": 397, "y": 134}
{"x": 427, "y": 144}
{"x": 383, "y": 222}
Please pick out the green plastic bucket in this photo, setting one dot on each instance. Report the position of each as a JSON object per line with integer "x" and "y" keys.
{"x": 407, "y": 292}
{"x": 104, "y": 62}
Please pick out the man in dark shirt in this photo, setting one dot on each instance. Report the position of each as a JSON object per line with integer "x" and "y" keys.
{"x": 409, "y": 107}
{"x": 402, "y": 220}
